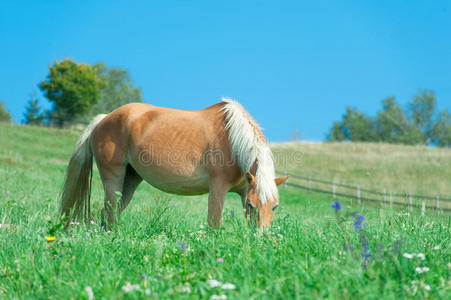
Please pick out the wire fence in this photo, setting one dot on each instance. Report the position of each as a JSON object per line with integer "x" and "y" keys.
{"x": 383, "y": 200}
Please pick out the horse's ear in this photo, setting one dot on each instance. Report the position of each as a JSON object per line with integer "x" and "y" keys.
{"x": 250, "y": 178}
{"x": 280, "y": 180}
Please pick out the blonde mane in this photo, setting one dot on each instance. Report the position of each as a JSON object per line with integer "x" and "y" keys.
{"x": 248, "y": 145}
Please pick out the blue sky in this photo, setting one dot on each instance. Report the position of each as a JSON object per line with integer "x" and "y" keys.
{"x": 288, "y": 62}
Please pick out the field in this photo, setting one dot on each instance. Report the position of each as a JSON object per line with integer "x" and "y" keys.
{"x": 163, "y": 250}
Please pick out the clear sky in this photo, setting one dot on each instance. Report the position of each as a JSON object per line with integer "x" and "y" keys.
{"x": 287, "y": 62}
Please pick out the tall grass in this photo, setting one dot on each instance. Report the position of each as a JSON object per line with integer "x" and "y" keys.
{"x": 162, "y": 248}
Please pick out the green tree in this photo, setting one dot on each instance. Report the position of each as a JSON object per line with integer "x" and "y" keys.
{"x": 422, "y": 109}
{"x": 72, "y": 87}
{"x": 337, "y": 133}
{"x": 393, "y": 126}
{"x": 5, "y": 116}
{"x": 441, "y": 130}
{"x": 33, "y": 112}
{"x": 118, "y": 90}
{"x": 355, "y": 126}
{"x": 358, "y": 126}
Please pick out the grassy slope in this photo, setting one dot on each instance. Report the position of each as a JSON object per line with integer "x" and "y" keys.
{"x": 396, "y": 168}
{"x": 303, "y": 257}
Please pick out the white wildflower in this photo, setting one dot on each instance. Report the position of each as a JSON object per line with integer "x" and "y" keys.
{"x": 186, "y": 288}
{"x": 213, "y": 283}
{"x": 147, "y": 292}
{"x": 89, "y": 292}
{"x": 407, "y": 255}
{"x": 436, "y": 247}
{"x": 218, "y": 297}
{"x": 127, "y": 288}
{"x": 228, "y": 286}
{"x": 421, "y": 256}
{"x": 427, "y": 287}
{"x": 422, "y": 270}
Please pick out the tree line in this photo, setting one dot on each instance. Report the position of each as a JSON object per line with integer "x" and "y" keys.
{"x": 78, "y": 92}
{"x": 420, "y": 123}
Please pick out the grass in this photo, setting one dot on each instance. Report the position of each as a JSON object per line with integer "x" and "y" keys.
{"x": 162, "y": 249}
{"x": 395, "y": 168}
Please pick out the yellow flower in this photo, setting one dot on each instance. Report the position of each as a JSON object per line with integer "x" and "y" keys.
{"x": 50, "y": 238}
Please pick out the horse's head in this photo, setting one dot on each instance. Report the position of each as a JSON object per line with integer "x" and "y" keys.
{"x": 260, "y": 212}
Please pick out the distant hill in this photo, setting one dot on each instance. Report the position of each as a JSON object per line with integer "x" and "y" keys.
{"x": 397, "y": 168}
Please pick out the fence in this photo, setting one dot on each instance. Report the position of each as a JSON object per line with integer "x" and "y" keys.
{"x": 358, "y": 191}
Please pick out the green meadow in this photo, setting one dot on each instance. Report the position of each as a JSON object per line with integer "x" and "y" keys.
{"x": 162, "y": 248}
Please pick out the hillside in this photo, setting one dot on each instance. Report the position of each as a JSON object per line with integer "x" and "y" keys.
{"x": 162, "y": 249}
{"x": 396, "y": 168}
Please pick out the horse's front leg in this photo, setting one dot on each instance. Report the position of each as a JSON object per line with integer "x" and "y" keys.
{"x": 218, "y": 191}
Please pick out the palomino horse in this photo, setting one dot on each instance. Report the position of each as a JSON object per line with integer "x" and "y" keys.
{"x": 216, "y": 150}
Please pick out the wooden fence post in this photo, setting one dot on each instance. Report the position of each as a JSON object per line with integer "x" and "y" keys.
{"x": 423, "y": 207}
{"x": 333, "y": 189}
{"x": 437, "y": 206}
{"x": 410, "y": 202}
{"x": 358, "y": 194}
{"x": 391, "y": 199}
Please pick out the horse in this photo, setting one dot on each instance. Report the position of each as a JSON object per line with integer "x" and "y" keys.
{"x": 215, "y": 150}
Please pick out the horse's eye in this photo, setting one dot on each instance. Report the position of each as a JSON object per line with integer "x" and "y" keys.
{"x": 250, "y": 204}
{"x": 275, "y": 207}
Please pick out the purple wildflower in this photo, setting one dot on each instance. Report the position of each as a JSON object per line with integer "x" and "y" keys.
{"x": 359, "y": 222}
{"x": 336, "y": 205}
{"x": 182, "y": 245}
{"x": 366, "y": 246}
{"x": 395, "y": 248}
{"x": 349, "y": 247}
{"x": 233, "y": 214}
{"x": 220, "y": 260}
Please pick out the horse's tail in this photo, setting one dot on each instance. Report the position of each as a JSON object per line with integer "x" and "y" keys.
{"x": 76, "y": 193}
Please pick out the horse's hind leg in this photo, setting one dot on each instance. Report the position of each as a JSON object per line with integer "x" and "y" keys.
{"x": 113, "y": 181}
{"x": 131, "y": 182}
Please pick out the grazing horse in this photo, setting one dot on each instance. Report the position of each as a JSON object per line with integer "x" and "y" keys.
{"x": 215, "y": 150}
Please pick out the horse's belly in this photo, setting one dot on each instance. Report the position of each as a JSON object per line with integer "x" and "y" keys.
{"x": 172, "y": 182}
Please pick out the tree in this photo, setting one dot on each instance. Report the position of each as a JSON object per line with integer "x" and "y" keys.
{"x": 416, "y": 125}
{"x": 337, "y": 133}
{"x": 355, "y": 126}
{"x": 422, "y": 111}
{"x": 33, "y": 112}
{"x": 118, "y": 89}
{"x": 441, "y": 130}
{"x": 393, "y": 126}
{"x": 72, "y": 87}
{"x": 5, "y": 116}
{"x": 358, "y": 126}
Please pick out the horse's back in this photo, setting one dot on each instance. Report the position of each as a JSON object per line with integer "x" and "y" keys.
{"x": 164, "y": 145}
